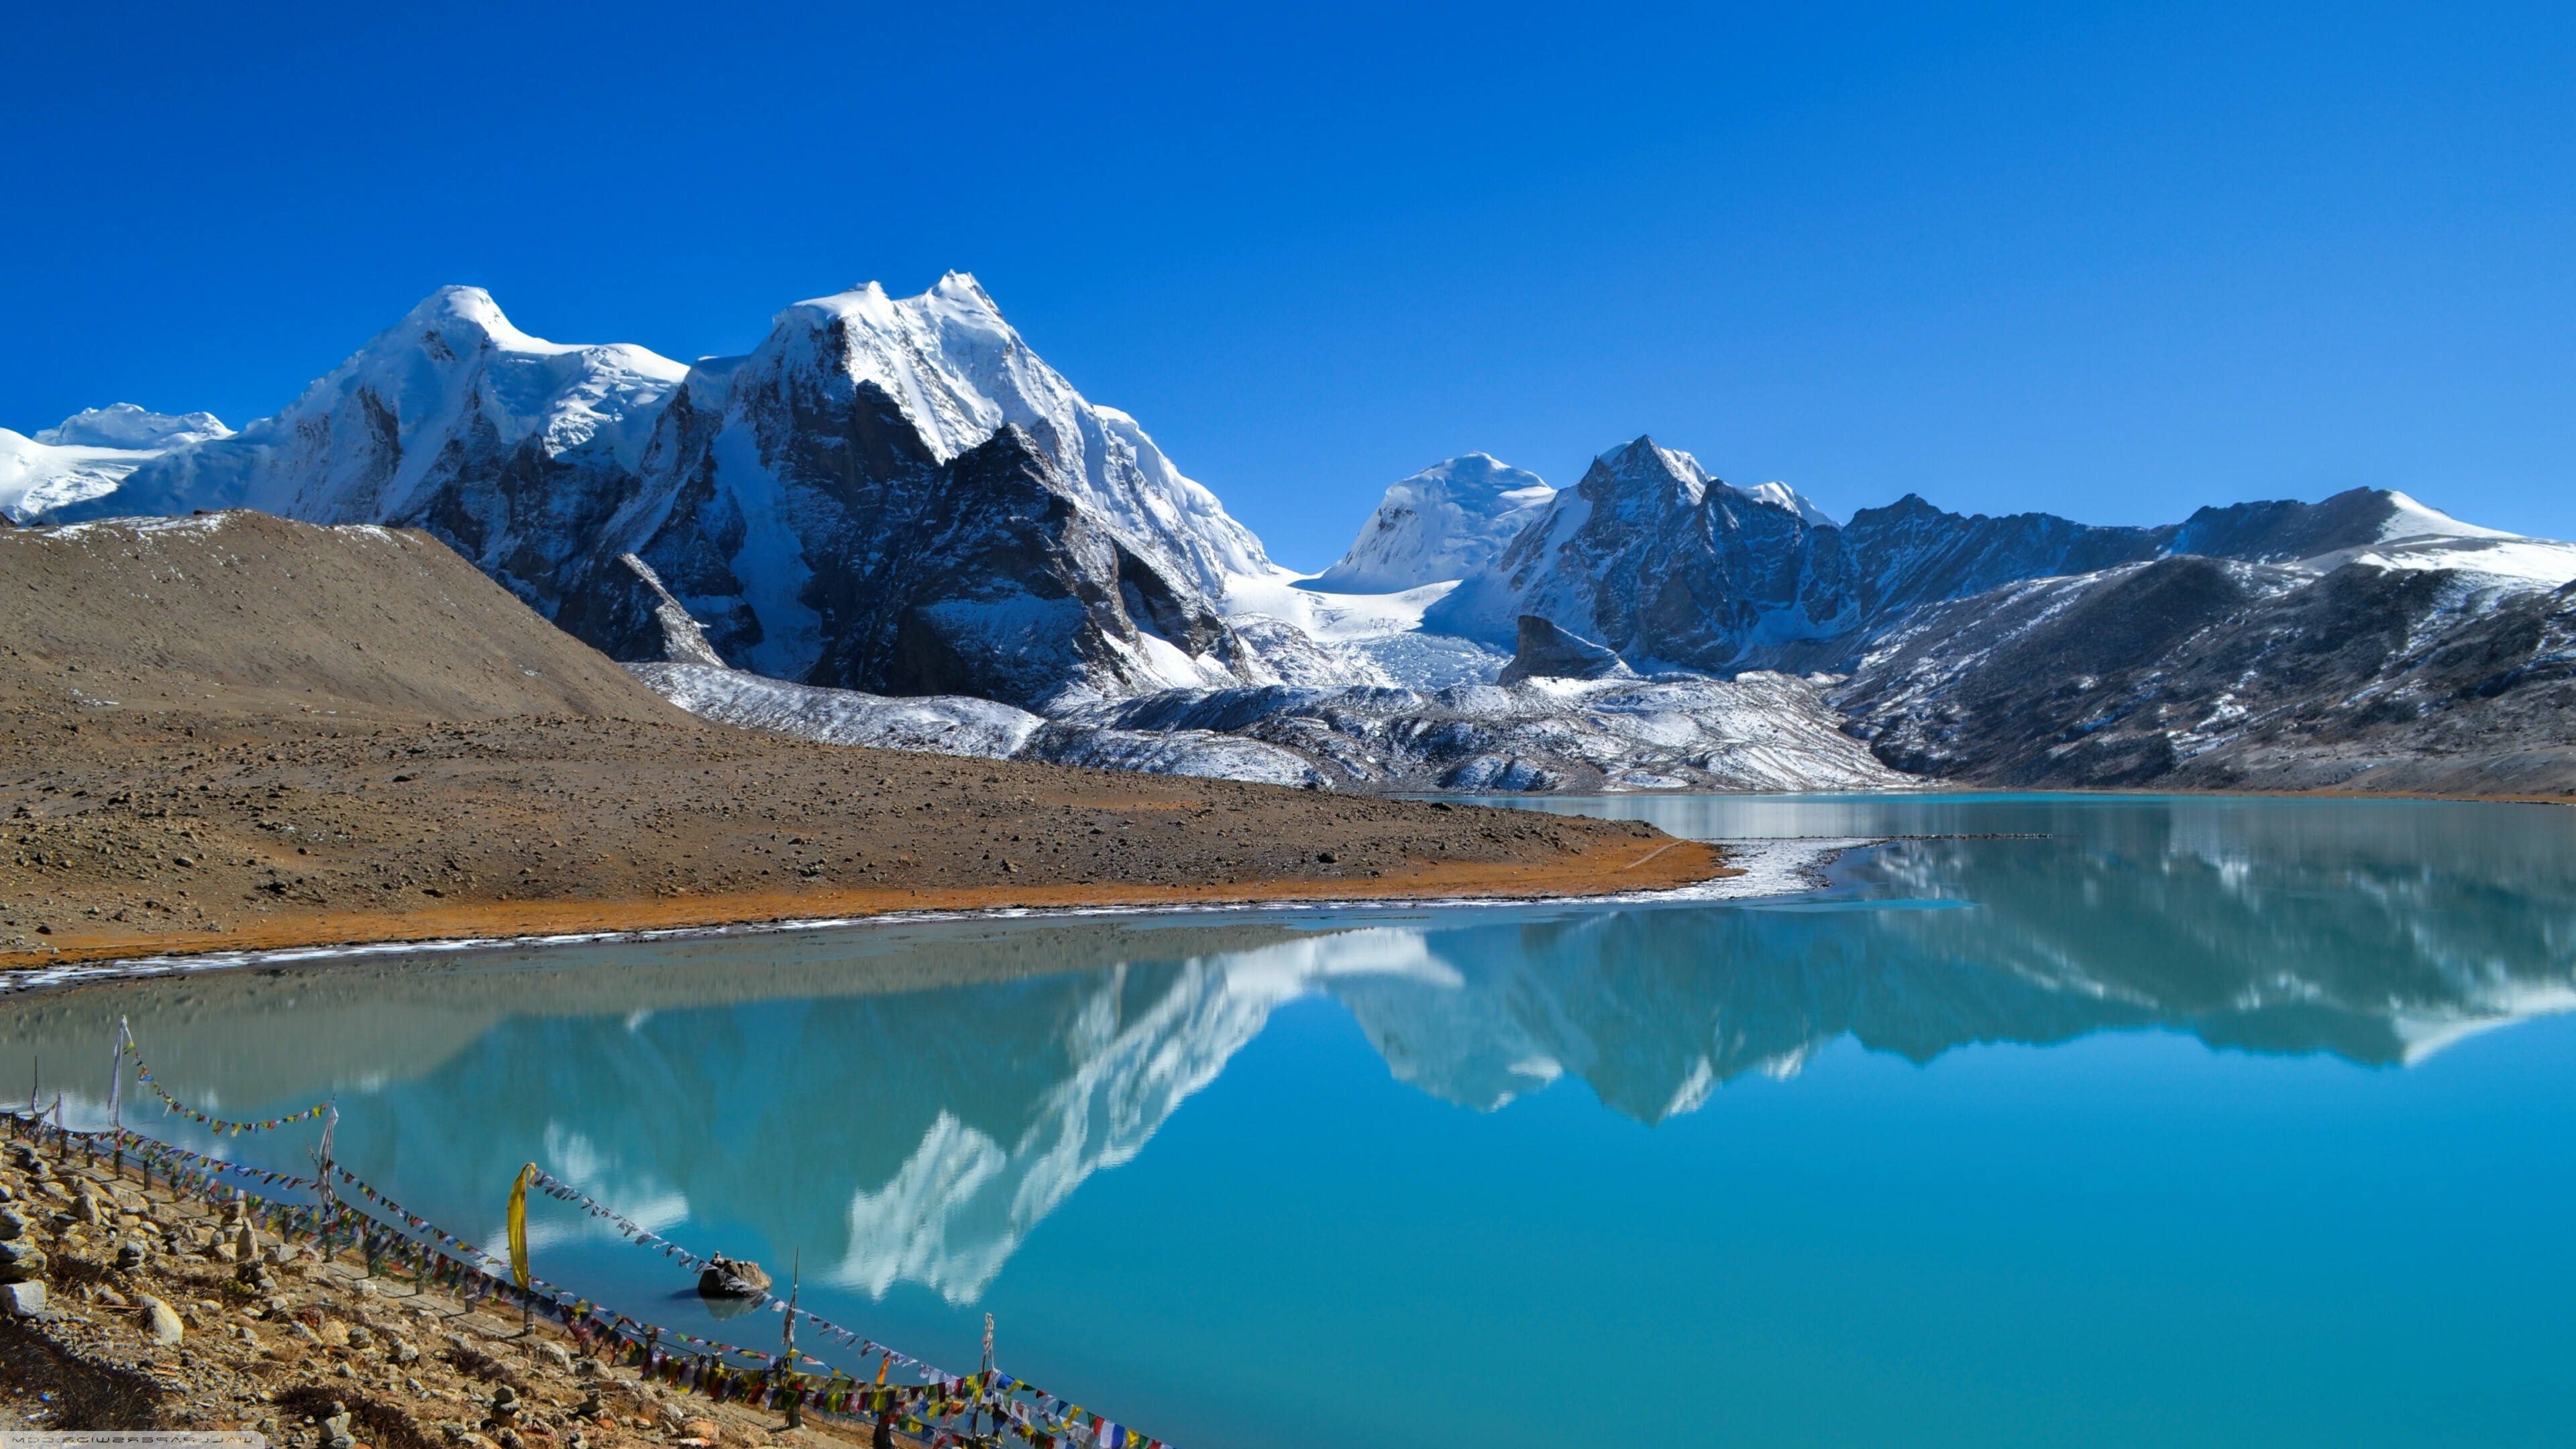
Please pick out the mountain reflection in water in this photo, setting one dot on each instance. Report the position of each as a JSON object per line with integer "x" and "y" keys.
{"x": 908, "y": 1102}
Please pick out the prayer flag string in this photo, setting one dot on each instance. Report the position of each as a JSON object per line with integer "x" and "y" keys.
{"x": 1040, "y": 1418}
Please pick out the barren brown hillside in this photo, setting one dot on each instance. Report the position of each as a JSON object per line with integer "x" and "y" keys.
{"x": 234, "y": 731}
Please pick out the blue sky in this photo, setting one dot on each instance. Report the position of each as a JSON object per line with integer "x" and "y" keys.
{"x": 2113, "y": 262}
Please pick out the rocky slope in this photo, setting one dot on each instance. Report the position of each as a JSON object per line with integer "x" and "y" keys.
{"x": 191, "y": 1334}
{"x": 2202, "y": 673}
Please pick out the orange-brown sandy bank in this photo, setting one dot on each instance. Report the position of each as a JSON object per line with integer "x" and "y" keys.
{"x": 136, "y": 836}
{"x": 238, "y": 732}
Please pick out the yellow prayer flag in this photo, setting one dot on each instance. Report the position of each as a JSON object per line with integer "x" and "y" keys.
{"x": 519, "y": 1223}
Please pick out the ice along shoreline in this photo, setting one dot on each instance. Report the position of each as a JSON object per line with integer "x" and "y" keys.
{"x": 1757, "y": 869}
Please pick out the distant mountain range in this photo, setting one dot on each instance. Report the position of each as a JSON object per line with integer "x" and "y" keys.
{"x": 897, "y": 499}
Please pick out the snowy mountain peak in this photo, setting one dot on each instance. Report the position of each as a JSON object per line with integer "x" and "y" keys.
{"x": 1781, "y": 495}
{"x": 1443, "y": 523}
{"x": 1644, "y": 464}
{"x": 472, "y": 306}
{"x": 124, "y": 425}
{"x": 421, "y": 425}
{"x": 2411, "y": 519}
{"x": 959, "y": 372}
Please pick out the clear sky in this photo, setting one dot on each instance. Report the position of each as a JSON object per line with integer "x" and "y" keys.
{"x": 2109, "y": 261}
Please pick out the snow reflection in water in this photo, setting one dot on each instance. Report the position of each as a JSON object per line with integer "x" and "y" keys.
{"x": 908, "y": 1103}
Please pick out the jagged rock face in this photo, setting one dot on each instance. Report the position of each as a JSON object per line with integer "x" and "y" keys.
{"x": 797, "y": 509}
{"x": 1446, "y": 522}
{"x": 629, "y": 615}
{"x": 1911, "y": 553}
{"x": 960, "y": 373}
{"x": 1002, "y": 587}
{"x": 1668, "y": 567}
{"x": 1549, "y": 652}
{"x": 1671, "y": 568}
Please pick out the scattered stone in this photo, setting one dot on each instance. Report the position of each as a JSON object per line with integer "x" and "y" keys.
{"x": 13, "y": 1225}
{"x": 161, "y": 1322}
{"x": 23, "y": 1300}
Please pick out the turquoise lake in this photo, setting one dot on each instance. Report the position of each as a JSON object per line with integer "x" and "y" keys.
{"x": 2048, "y": 1120}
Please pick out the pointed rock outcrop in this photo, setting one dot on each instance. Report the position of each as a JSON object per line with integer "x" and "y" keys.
{"x": 1548, "y": 652}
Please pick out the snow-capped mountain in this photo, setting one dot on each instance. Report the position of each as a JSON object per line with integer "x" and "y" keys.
{"x": 959, "y": 373}
{"x": 2225, "y": 674}
{"x": 512, "y": 449}
{"x": 1669, "y": 567}
{"x": 89, "y": 454}
{"x": 811, "y": 505}
{"x": 37, "y": 480}
{"x": 124, "y": 425}
{"x": 1439, "y": 525}
{"x": 897, "y": 498}
{"x": 888, "y": 494}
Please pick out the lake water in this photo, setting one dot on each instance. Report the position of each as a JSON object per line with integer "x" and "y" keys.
{"x": 2111, "y": 1120}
